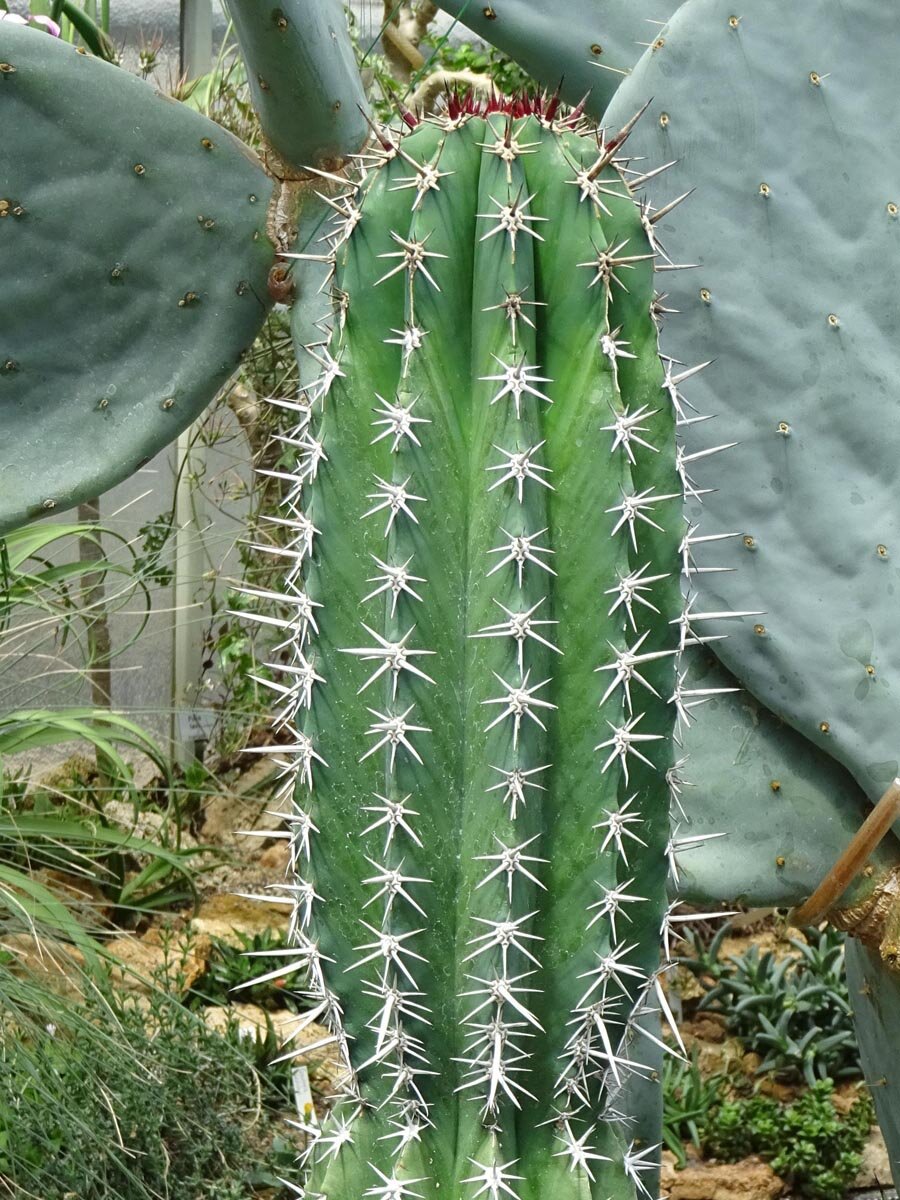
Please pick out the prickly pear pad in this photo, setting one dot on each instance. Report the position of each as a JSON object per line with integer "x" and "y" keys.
{"x": 133, "y": 265}
{"x": 487, "y": 513}
{"x": 795, "y": 225}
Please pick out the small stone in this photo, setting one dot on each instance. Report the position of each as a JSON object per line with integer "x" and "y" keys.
{"x": 227, "y": 917}
{"x": 276, "y": 858}
{"x": 53, "y": 965}
{"x": 750, "y": 1179}
{"x": 162, "y": 958}
{"x": 709, "y": 1027}
{"x": 145, "y": 824}
{"x": 224, "y": 816}
{"x": 875, "y": 1169}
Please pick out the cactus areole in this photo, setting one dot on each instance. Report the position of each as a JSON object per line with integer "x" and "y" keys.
{"x": 478, "y": 727}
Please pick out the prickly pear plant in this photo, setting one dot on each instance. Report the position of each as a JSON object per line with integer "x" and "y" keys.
{"x": 794, "y": 232}
{"x": 740, "y": 759}
{"x": 806, "y": 551}
{"x": 486, "y": 514}
{"x": 109, "y": 348}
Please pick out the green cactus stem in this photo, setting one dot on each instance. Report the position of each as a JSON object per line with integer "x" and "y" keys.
{"x": 134, "y": 256}
{"x": 875, "y": 996}
{"x": 303, "y": 79}
{"x": 96, "y": 40}
{"x": 477, "y": 716}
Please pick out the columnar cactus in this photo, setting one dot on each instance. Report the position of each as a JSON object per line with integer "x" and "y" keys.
{"x": 486, "y": 512}
{"x": 875, "y": 995}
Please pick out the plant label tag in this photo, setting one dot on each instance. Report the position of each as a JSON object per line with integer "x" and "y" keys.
{"x": 306, "y": 1110}
{"x": 196, "y": 724}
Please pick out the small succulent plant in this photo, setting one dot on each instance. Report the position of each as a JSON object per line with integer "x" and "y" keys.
{"x": 793, "y": 1010}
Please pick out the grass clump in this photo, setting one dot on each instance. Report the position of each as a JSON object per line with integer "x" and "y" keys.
{"x": 128, "y": 1098}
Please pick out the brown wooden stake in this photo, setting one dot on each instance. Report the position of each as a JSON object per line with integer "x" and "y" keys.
{"x": 848, "y": 866}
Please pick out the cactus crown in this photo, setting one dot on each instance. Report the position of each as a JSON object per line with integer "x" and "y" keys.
{"x": 485, "y": 509}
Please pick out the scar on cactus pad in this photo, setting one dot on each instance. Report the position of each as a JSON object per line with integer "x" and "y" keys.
{"x": 485, "y": 500}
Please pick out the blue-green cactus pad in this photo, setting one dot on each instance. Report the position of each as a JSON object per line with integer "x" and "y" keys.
{"x": 583, "y": 47}
{"x": 783, "y": 118}
{"x": 303, "y": 79}
{"x": 133, "y": 265}
{"x": 875, "y": 996}
{"x": 786, "y": 810}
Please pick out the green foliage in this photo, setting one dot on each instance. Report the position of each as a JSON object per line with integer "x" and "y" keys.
{"x": 109, "y": 1098}
{"x": 809, "y": 1143}
{"x": 702, "y": 957}
{"x": 78, "y": 21}
{"x": 388, "y": 93}
{"x": 794, "y": 1012}
{"x": 230, "y": 971}
{"x": 63, "y": 827}
{"x": 152, "y": 563}
{"x": 689, "y": 1099}
{"x": 59, "y": 824}
{"x": 41, "y": 576}
{"x": 101, "y": 853}
{"x": 224, "y": 95}
{"x": 506, "y": 75}
{"x": 109, "y": 732}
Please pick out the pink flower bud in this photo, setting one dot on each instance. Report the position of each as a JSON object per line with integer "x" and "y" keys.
{"x": 47, "y": 24}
